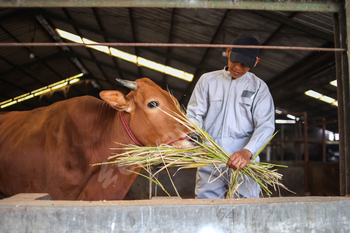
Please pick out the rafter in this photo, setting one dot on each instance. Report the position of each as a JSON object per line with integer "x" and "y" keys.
{"x": 36, "y": 57}
{"x": 274, "y": 34}
{"x": 135, "y": 75}
{"x": 25, "y": 73}
{"x": 32, "y": 63}
{"x": 133, "y": 34}
{"x": 297, "y": 25}
{"x": 309, "y": 82}
{"x": 192, "y": 84}
{"x": 66, "y": 12}
{"x": 309, "y": 64}
{"x": 181, "y": 60}
{"x": 165, "y": 77}
{"x": 95, "y": 12}
{"x": 47, "y": 28}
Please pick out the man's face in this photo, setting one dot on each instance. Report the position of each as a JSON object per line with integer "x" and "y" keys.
{"x": 237, "y": 69}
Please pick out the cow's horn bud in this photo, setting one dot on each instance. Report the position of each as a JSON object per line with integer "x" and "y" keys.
{"x": 130, "y": 84}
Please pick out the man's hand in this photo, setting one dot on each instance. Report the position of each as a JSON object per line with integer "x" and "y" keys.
{"x": 239, "y": 159}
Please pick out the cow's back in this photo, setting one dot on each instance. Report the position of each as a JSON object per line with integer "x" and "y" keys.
{"x": 50, "y": 149}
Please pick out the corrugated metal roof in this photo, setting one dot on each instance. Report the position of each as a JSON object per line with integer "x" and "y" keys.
{"x": 286, "y": 71}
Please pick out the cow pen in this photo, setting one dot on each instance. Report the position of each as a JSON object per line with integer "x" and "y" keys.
{"x": 322, "y": 206}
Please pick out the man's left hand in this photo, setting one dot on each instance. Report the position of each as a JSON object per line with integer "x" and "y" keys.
{"x": 239, "y": 159}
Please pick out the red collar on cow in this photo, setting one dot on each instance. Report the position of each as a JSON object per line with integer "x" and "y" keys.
{"x": 127, "y": 128}
{"x": 133, "y": 138}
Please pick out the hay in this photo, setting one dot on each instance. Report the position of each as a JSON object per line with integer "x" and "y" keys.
{"x": 207, "y": 153}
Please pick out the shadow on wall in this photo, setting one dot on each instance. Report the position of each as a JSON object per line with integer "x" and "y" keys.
{"x": 184, "y": 181}
{"x": 322, "y": 179}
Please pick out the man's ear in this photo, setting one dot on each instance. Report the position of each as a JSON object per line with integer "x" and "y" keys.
{"x": 116, "y": 99}
{"x": 228, "y": 52}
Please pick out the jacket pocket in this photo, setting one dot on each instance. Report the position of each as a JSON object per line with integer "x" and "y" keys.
{"x": 247, "y": 102}
{"x": 215, "y": 105}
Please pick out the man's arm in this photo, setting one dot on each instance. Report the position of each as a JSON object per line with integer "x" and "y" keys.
{"x": 263, "y": 113}
{"x": 198, "y": 104}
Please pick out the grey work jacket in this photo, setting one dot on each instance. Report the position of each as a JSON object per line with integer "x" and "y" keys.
{"x": 237, "y": 113}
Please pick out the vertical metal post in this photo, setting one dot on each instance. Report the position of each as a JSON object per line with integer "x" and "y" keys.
{"x": 323, "y": 139}
{"x": 346, "y": 100}
{"x": 282, "y": 142}
{"x": 306, "y": 153}
{"x": 299, "y": 135}
{"x": 268, "y": 153}
{"x": 338, "y": 64}
{"x": 342, "y": 35}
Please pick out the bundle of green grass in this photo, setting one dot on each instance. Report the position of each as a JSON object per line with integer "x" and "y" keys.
{"x": 206, "y": 153}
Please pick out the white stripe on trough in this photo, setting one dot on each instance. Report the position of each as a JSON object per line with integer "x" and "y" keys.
{"x": 35, "y": 213}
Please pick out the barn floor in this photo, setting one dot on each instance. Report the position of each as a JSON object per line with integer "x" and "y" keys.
{"x": 37, "y": 213}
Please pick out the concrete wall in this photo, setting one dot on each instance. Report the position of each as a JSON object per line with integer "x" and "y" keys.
{"x": 22, "y": 213}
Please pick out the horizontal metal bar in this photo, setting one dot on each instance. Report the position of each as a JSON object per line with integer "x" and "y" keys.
{"x": 281, "y": 5}
{"x": 117, "y": 44}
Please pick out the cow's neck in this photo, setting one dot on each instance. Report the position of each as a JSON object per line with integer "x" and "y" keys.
{"x": 111, "y": 132}
{"x": 128, "y": 130}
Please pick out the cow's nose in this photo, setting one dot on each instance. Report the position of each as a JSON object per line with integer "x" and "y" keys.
{"x": 196, "y": 138}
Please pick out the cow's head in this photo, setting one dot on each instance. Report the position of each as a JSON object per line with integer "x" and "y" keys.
{"x": 146, "y": 104}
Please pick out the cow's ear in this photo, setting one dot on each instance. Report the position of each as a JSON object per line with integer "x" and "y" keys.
{"x": 116, "y": 99}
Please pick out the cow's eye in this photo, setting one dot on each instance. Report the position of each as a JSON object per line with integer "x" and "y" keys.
{"x": 153, "y": 104}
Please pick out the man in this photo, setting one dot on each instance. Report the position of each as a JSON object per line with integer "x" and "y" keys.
{"x": 236, "y": 108}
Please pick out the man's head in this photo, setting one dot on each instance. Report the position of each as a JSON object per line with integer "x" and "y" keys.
{"x": 241, "y": 60}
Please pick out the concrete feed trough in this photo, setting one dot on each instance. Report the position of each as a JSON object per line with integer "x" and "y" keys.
{"x": 37, "y": 213}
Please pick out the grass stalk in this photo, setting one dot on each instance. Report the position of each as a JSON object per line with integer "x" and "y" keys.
{"x": 207, "y": 153}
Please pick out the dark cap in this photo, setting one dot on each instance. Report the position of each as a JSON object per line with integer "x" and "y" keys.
{"x": 244, "y": 55}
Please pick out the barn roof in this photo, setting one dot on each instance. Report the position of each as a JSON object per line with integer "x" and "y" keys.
{"x": 288, "y": 73}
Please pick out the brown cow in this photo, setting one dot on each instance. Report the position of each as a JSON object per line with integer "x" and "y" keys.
{"x": 50, "y": 149}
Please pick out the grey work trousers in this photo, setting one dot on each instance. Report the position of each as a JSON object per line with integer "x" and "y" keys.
{"x": 210, "y": 186}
